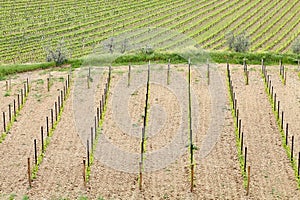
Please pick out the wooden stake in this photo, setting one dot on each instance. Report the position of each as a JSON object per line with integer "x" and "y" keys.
{"x": 22, "y": 98}
{"x": 52, "y": 119}
{"x": 84, "y": 172}
{"x": 88, "y": 152}
{"x": 208, "y": 74}
{"x": 100, "y": 110}
{"x": 275, "y": 102}
{"x": 278, "y": 104}
{"x": 15, "y": 111}
{"x": 98, "y": 118}
{"x": 27, "y": 82}
{"x": 245, "y": 161}
{"x": 242, "y": 142}
{"x": 286, "y": 133}
{"x": 168, "y": 74}
{"x": 48, "y": 84}
{"x": 92, "y": 139}
{"x": 235, "y": 105}
{"x": 292, "y": 150}
{"x": 284, "y": 78}
{"x": 237, "y": 118}
{"x": 25, "y": 90}
{"x": 248, "y": 181}
{"x": 61, "y": 98}
{"x": 35, "y": 152}
{"x": 47, "y": 125}
{"x": 192, "y": 178}
{"x": 4, "y": 123}
{"x": 129, "y": 73}
{"x": 55, "y": 106}
{"x": 141, "y": 176}
{"x": 240, "y": 126}
{"x": 58, "y": 104}
{"x": 9, "y": 113}
{"x": 299, "y": 165}
{"x": 7, "y": 86}
{"x": 281, "y": 121}
{"x": 28, "y": 172}
{"x": 272, "y": 91}
{"x": 42, "y": 139}
{"x": 19, "y": 102}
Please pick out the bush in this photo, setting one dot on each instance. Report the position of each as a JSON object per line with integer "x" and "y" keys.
{"x": 239, "y": 43}
{"x": 296, "y": 46}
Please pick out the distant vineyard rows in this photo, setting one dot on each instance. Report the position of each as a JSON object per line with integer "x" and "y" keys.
{"x": 27, "y": 27}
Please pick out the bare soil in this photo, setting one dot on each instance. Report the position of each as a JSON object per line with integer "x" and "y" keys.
{"x": 272, "y": 176}
{"x": 114, "y": 173}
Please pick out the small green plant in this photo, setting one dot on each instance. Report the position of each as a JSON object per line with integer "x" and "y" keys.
{"x": 38, "y": 97}
{"x": 166, "y": 196}
{"x": 25, "y": 197}
{"x": 134, "y": 93}
{"x": 7, "y": 94}
{"x": 12, "y": 196}
{"x": 40, "y": 82}
{"x": 82, "y": 198}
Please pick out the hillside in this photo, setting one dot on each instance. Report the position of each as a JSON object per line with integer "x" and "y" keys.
{"x": 28, "y": 27}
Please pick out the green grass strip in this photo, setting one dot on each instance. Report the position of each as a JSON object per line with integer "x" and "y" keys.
{"x": 163, "y": 57}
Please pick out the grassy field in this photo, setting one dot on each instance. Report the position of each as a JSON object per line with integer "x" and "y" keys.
{"x": 28, "y": 27}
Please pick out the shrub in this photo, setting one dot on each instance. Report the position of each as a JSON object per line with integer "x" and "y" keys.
{"x": 239, "y": 43}
{"x": 296, "y": 46}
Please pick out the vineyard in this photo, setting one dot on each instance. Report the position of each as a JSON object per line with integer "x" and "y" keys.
{"x": 28, "y": 28}
{"x": 155, "y": 131}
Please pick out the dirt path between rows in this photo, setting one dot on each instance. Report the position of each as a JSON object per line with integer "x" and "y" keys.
{"x": 217, "y": 169}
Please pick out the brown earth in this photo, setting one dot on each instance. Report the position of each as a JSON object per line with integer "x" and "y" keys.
{"x": 217, "y": 171}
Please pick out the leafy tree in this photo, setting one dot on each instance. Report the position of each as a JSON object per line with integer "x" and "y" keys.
{"x": 230, "y": 40}
{"x": 238, "y": 43}
{"x": 58, "y": 54}
{"x": 296, "y": 46}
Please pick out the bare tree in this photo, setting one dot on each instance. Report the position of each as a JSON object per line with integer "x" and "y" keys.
{"x": 58, "y": 54}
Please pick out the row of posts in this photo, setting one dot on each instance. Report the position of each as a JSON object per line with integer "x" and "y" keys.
{"x": 15, "y": 107}
{"x": 97, "y": 119}
{"x": 280, "y": 115}
{"x": 50, "y": 124}
{"x": 238, "y": 123}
